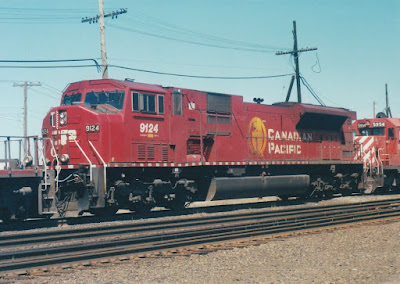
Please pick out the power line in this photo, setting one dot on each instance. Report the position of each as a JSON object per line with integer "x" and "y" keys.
{"x": 32, "y": 22}
{"x": 46, "y": 67}
{"x": 163, "y": 26}
{"x": 305, "y": 83}
{"x": 49, "y": 61}
{"x": 47, "y": 95}
{"x": 171, "y": 63}
{"x": 44, "y": 9}
{"x": 200, "y": 77}
{"x": 189, "y": 41}
{"x": 10, "y": 118}
{"x": 50, "y": 87}
{"x": 136, "y": 69}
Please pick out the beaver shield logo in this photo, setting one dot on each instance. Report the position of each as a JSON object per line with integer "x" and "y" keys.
{"x": 257, "y": 138}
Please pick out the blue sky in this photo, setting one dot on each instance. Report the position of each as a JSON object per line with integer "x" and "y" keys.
{"x": 357, "y": 41}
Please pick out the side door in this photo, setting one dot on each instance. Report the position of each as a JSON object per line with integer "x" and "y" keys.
{"x": 177, "y": 125}
{"x": 149, "y": 127}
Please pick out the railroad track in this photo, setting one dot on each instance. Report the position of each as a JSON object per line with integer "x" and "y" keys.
{"x": 57, "y": 222}
{"x": 29, "y": 224}
{"x": 22, "y": 253}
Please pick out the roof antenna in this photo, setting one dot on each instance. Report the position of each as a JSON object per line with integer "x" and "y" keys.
{"x": 388, "y": 111}
{"x": 258, "y": 100}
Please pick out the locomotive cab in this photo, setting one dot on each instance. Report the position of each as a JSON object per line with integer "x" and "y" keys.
{"x": 377, "y": 143}
{"x": 100, "y": 138}
{"x": 380, "y": 140}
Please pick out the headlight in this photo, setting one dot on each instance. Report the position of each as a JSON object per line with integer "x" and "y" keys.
{"x": 64, "y": 158}
{"x": 28, "y": 160}
{"x": 63, "y": 117}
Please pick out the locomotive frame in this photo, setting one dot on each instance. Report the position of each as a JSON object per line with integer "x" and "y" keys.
{"x": 119, "y": 144}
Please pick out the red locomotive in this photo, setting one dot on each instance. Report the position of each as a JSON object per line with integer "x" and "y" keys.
{"x": 119, "y": 144}
{"x": 377, "y": 143}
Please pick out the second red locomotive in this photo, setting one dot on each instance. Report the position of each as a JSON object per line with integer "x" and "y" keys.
{"x": 377, "y": 142}
{"x": 119, "y": 144}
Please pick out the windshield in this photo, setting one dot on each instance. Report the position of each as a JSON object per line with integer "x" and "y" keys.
{"x": 115, "y": 99}
{"x": 372, "y": 132}
{"x": 74, "y": 99}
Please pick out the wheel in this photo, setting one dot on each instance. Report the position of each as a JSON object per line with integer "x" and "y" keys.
{"x": 328, "y": 194}
{"x": 177, "y": 205}
{"x": 104, "y": 212}
{"x": 5, "y": 215}
{"x": 283, "y": 197}
{"x": 141, "y": 208}
{"x": 346, "y": 192}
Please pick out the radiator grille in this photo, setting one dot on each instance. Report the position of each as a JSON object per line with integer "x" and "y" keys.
{"x": 141, "y": 152}
{"x": 150, "y": 152}
{"x": 164, "y": 153}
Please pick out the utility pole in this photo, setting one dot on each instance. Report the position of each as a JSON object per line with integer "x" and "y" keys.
{"x": 388, "y": 111}
{"x": 295, "y": 53}
{"x": 26, "y": 85}
{"x": 104, "y": 65}
{"x": 100, "y": 19}
{"x": 373, "y": 106}
{"x": 290, "y": 89}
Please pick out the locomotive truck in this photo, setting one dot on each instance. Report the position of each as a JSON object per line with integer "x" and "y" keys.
{"x": 115, "y": 144}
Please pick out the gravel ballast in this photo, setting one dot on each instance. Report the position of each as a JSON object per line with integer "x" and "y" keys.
{"x": 362, "y": 254}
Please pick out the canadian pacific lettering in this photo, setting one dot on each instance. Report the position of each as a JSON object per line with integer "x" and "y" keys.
{"x": 284, "y": 142}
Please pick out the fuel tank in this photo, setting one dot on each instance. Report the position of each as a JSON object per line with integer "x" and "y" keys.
{"x": 257, "y": 186}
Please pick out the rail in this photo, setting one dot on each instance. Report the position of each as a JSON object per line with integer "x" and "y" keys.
{"x": 23, "y": 253}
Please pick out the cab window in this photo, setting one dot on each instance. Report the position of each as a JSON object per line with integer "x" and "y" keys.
{"x": 114, "y": 99}
{"x": 74, "y": 99}
{"x": 160, "y": 104}
{"x": 373, "y": 132}
{"x": 391, "y": 133}
{"x": 147, "y": 103}
{"x": 177, "y": 101}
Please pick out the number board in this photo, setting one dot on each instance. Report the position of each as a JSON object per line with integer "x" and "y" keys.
{"x": 378, "y": 124}
{"x": 92, "y": 128}
{"x": 149, "y": 130}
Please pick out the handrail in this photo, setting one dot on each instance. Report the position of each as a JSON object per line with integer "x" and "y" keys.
{"x": 104, "y": 164}
{"x": 380, "y": 161}
{"x": 87, "y": 158}
{"x": 58, "y": 167}
{"x": 43, "y": 151}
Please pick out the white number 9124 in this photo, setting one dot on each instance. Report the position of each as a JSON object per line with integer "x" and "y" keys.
{"x": 92, "y": 128}
{"x": 148, "y": 128}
